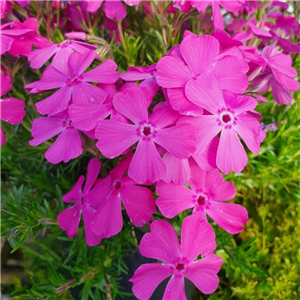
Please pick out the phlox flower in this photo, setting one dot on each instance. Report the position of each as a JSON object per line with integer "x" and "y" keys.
{"x": 114, "y": 190}
{"x": 146, "y": 76}
{"x": 12, "y": 109}
{"x": 61, "y": 53}
{"x": 279, "y": 74}
{"x": 115, "y": 137}
{"x": 9, "y": 35}
{"x": 208, "y": 195}
{"x": 179, "y": 261}
{"x": 229, "y": 115}
{"x": 113, "y": 10}
{"x": 198, "y": 55}
{"x": 86, "y": 204}
{"x": 23, "y": 43}
{"x": 74, "y": 84}
{"x": 67, "y": 146}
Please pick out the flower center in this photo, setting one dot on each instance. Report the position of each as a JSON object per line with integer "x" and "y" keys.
{"x": 226, "y": 118}
{"x": 147, "y": 130}
{"x": 64, "y": 44}
{"x": 201, "y": 200}
{"x": 73, "y": 81}
{"x": 179, "y": 267}
{"x": 117, "y": 185}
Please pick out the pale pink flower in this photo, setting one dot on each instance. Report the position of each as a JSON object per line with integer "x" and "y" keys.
{"x": 86, "y": 204}
{"x": 180, "y": 261}
{"x": 114, "y": 190}
{"x": 230, "y": 116}
{"x": 208, "y": 195}
{"x": 198, "y": 55}
{"x": 74, "y": 84}
{"x": 115, "y": 137}
{"x": 67, "y": 146}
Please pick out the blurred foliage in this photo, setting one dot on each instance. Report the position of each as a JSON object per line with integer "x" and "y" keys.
{"x": 263, "y": 262}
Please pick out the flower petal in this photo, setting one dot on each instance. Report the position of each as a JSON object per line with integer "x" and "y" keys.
{"x": 231, "y": 154}
{"x": 203, "y": 273}
{"x": 132, "y": 105}
{"x": 75, "y": 194}
{"x": 85, "y": 93}
{"x": 206, "y": 92}
{"x": 146, "y": 163}
{"x": 79, "y": 62}
{"x": 115, "y": 137}
{"x": 91, "y": 238}
{"x": 197, "y": 237}
{"x": 173, "y": 199}
{"x": 104, "y": 73}
{"x": 69, "y": 220}
{"x": 229, "y": 216}
{"x": 67, "y": 146}
{"x": 12, "y": 110}
{"x": 199, "y": 52}
{"x": 171, "y": 74}
{"x": 161, "y": 243}
{"x": 92, "y": 174}
{"x": 139, "y": 203}
{"x": 108, "y": 220}
{"x": 147, "y": 277}
{"x": 39, "y": 57}
{"x": 175, "y": 289}
{"x": 179, "y": 140}
{"x": 55, "y": 103}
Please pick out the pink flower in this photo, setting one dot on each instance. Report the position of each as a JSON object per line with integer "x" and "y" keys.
{"x": 198, "y": 55}
{"x": 61, "y": 52}
{"x": 73, "y": 84}
{"x": 9, "y": 34}
{"x": 12, "y": 109}
{"x": 229, "y": 115}
{"x": 67, "y": 146}
{"x": 113, "y": 10}
{"x": 279, "y": 74}
{"x": 115, "y": 137}
{"x": 115, "y": 189}
{"x": 86, "y": 203}
{"x": 179, "y": 260}
{"x": 146, "y": 75}
{"x": 22, "y": 44}
{"x": 232, "y": 6}
{"x": 207, "y": 195}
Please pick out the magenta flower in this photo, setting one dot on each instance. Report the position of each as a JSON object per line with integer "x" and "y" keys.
{"x": 279, "y": 74}
{"x": 229, "y": 115}
{"x": 9, "y": 34}
{"x": 61, "y": 53}
{"x": 179, "y": 260}
{"x": 232, "y": 6}
{"x": 73, "y": 84}
{"x": 198, "y": 55}
{"x": 207, "y": 195}
{"x": 146, "y": 75}
{"x": 12, "y": 109}
{"x": 86, "y": 203}
{"x": 67, "y": 146}
{"x": 22, "y": 44}
{"x": 115, "y": 137}
{"x": 114, "y": 190}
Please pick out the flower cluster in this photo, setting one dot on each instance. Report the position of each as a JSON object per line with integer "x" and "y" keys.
{"x": 210, "y": 85}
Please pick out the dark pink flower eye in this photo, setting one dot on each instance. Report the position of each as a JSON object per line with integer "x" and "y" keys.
{"x": 146, "y": 131}
{"x": 226, "y": 118}
{"x": 201, "y": 200}
{"x": 180, "y": 267}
